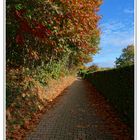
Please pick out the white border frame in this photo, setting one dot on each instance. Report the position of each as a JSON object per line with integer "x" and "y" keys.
{"x": 2, "y": 68}
{"x": 137, "y": 76}
{"x": 135, "y": 71}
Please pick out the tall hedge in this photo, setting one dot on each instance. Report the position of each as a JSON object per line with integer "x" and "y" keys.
{"x": 117, "y": 86}
{"x": 48, "y": 39}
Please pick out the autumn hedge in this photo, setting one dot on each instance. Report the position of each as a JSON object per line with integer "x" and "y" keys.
{"x": 117, "y": 85}
{"x": 48, "y": 39}
{"x": 45, "y": 40}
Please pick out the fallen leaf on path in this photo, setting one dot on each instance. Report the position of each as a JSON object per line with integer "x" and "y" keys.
{"x": 102, "y": 108}
{"x": 83, "y": 125}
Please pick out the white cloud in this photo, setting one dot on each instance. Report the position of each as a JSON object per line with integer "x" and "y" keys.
{"x": 128, "y": 11}
{"x": 106, "y": 64}
{"x": 117, "y": 34}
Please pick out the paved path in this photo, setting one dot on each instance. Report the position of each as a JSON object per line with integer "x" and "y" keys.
{"x": 71, "y": 118}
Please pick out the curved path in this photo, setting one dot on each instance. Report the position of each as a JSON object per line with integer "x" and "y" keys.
{"x": 71, "y": 118}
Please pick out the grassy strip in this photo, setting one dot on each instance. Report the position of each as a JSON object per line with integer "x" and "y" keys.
{"x": 117, "y": 86}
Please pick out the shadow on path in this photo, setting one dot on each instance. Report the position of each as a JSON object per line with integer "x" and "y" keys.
{"x": 71, "y": 118}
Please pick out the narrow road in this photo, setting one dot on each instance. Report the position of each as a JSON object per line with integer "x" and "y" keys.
{"x": 72, "y": 118}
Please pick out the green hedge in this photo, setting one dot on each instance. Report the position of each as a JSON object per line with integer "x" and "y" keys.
{"x": 117, "y": 85}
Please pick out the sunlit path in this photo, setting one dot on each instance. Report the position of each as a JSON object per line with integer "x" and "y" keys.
{"x": 72, "y": 118}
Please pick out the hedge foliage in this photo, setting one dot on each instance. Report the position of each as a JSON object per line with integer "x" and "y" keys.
{"x": 48, "y": 39}
{"x": 117, "y": 85}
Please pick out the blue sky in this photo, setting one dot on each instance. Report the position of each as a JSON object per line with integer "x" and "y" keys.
{"x": 117, "y": 27}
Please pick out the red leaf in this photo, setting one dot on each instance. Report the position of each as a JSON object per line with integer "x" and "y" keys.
{"x": 49, "y": 32}
{"x": 20, "y": 39}
{"x": 24, "y": 26}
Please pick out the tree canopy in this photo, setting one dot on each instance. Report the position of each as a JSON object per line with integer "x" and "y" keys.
{"x": 126, "y": 58}
{"x": 40, "y": 31}
{"x": 47, "y": 39}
